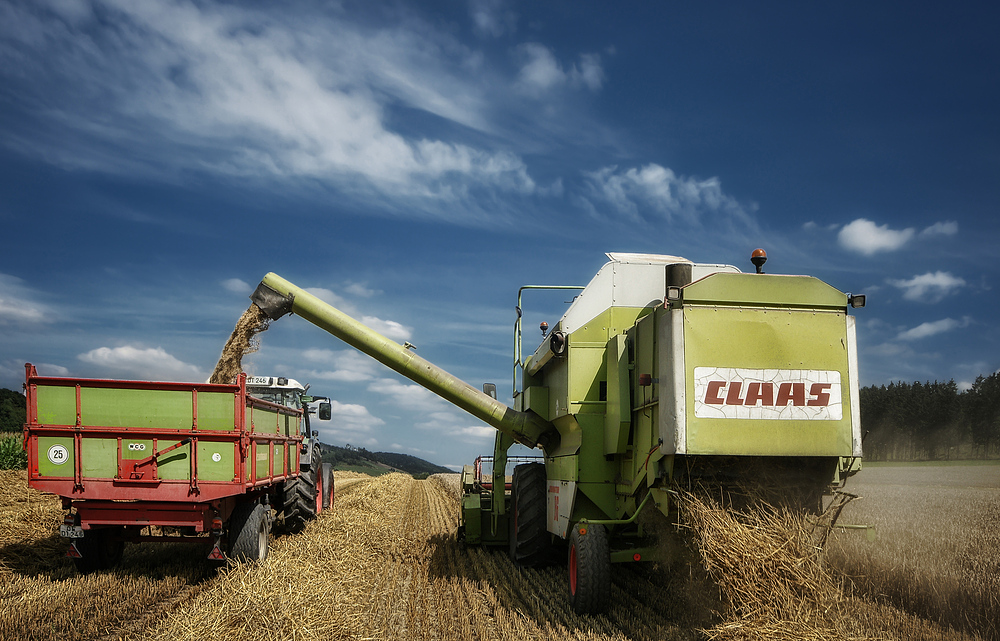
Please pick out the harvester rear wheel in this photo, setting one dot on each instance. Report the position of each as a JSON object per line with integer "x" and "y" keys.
{"x": 589, "y": 569}
{"x": 249, "y": 532}
{"x": 328, "y": 486}
{"x": 299, "y": 500}
{"x": 530, "y": 542}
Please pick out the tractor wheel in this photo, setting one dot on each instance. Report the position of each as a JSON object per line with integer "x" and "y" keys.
{"x": 530, "y": 542}
{"x": 328, "y": 486}
{"x": 101, "y": 550}
{"x": 589, "y": 569}
{"x": 249, "y": 532}
{"x": 299, "y": 500}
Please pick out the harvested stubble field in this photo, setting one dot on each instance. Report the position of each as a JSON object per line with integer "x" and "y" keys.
{"x": 383, "y": 564}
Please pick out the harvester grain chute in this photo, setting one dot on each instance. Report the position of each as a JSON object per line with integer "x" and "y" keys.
{"x": 661, "y": 372}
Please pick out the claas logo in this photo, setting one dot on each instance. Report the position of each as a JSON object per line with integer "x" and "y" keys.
{"x": 767, "y": 394}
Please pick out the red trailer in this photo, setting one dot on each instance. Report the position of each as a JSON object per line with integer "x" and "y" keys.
{"x": 154, "y": 461}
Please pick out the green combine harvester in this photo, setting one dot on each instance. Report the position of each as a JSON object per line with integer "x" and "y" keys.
{"x": 661, "y": 373}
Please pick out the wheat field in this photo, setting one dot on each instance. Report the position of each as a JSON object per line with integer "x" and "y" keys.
{"x": 383, "y": 564}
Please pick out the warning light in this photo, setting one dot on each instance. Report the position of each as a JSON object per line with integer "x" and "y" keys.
{"x": 216, "y": 524}
{"x": 758, "y": 258}
{"x": 637, "y": 557}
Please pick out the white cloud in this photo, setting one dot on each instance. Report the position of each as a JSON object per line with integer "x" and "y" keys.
{"x": 657, "y": 189}
{"x": 489, "y": 18}
{"x": 237, "y": 286}
{"x": 925, "y": 330}
{"x": 541, "y": 71}
{"x": 929, "y": 287}
{"x": 349, "y": 366}
{"x": 143, "y": 363}
{"x": 388, "y": 328}
{"x": 409, "y": 395}
{"x": 865, "y": 237}
{"x": 260, "y": 92}
{"x": 359, "y": 289}
{"x": 948, "y": 228}
{"x": 18, "y": 304}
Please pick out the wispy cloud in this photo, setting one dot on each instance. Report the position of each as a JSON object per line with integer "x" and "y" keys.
{"x": 256, "y": 92}
{"x": 349, "y": 366}
{"x": 929, "y": 287}
{"x": 865, "y": 237}
{"x": 237, "y": 286}
{"x": 349, "y": 423}
{"x": 653, "y": 191}
{"x": 541, "y": 71}
{"x": 19, "y": 304}
{"x": 925, "y": 330}
{"x": 949, "y": 228}
{"x": 145, "y": 363}
{"x": 492, "y": 18}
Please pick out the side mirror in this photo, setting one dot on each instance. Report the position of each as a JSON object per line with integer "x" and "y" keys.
{"x": 490, "y": 389}
{"x": 325, "y": 411}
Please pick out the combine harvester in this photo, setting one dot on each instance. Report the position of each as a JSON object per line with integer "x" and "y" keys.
{"x": 662, "y": 372}
{"x": 201, "y": 463}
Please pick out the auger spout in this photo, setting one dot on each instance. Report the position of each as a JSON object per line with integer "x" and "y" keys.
{"x": 277, "y": 297}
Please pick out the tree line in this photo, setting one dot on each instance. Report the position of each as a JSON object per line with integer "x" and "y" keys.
{"x": 931, "y": 421}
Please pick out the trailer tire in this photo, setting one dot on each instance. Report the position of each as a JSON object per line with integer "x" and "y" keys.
{"x": 249, "y": 532}
{"x": 328, "y": 486}
{"x": 589, "y": 569}
{"x": 100, "y": 550}
{"x": 530, "y": 542}
{"x": 299, "y": 500}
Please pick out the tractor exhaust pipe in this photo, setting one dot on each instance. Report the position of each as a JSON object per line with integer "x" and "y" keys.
{"x": 277, "y": 297}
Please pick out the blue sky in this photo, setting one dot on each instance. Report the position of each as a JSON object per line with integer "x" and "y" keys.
{"x": 415, "y": 163}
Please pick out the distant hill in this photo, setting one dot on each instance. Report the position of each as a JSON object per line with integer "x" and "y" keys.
{"x": 378, "y": 463}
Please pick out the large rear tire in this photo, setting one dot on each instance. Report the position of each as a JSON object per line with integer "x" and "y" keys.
{"x": 249, "y": 532}
{"x": 328, "y": 486}
{"x": 589, "y": 569}
{"x": 300, "y": 500}
{"x": 530, "y": 543}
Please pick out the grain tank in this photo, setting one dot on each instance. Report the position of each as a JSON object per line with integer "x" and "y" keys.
{"x": 661, "y": 372}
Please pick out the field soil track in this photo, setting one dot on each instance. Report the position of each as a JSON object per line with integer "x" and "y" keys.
{"x": 383, "y": 564}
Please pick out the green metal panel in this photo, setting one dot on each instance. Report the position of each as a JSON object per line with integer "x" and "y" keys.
{"x": 99, "y": 457}
{"x": 51, "y": 450}
{"x": 211, "y": 470}
{"x": 176, "y": 465}
{"x": 536, "y": 399}
{"x": 262, "y": 454}
{"x": 767, "y": 290}
{"x": 216, "y": 411}
{"x": 110, "y": 407}
{"x": 56, "y": 405}
{"x": 472, "y": 512}
{"x": 618, "y": 416}
{"x": 776, "y": 339}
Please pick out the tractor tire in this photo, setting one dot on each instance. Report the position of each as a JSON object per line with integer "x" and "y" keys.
{"x": 589, "y": 569}
{"x": 530, "y": 543}
{"x": 328, "y": 486}
{"x": 300, "y": 500}
{"x": 100, "y": 550}
{"x": 249, "y": 532}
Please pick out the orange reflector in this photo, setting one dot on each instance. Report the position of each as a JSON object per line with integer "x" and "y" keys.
{"x": 637, "y": 557}
{"x": 583, "y": 531}
{"x": 72, "y": 552}
{"x": 216, "y": 554}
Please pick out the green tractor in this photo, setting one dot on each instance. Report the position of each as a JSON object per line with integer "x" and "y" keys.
{"x": 661, "y": 372}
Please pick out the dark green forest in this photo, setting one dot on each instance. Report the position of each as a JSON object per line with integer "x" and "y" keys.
{"x": 12, "y": 411}
{"x": 356, "y": 456}
{"x": 931, "y": 421}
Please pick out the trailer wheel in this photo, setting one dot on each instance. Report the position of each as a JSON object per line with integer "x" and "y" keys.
{"x": 249, "y": 532}
{"x": 100, "y": 549}
{"x": 530, "y": 543}
{"x": 299, "y": 500}
{"x": 589, "y": 569}
{"x": 328, "y": 486}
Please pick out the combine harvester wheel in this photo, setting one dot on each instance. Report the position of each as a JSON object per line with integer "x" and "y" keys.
{"x": 589, "y": 569}
{"x": 530, "y": 542}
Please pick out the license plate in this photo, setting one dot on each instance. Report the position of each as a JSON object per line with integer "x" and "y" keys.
{"x": 71, "y": 531}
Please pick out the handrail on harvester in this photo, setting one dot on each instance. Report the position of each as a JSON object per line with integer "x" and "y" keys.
{"x": 277, "y": 297}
